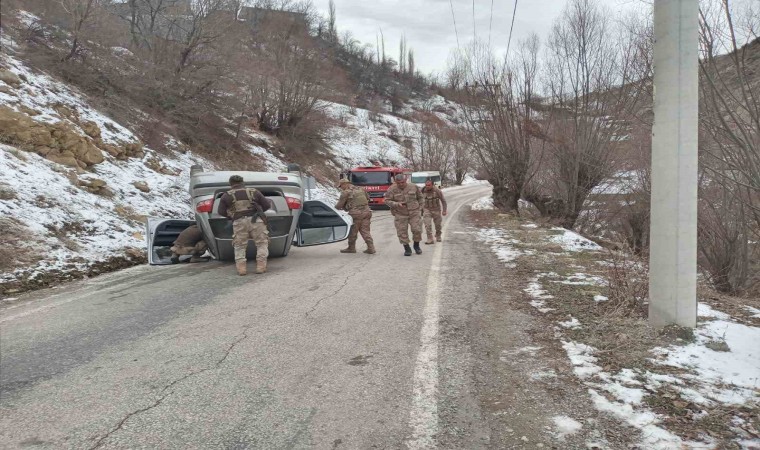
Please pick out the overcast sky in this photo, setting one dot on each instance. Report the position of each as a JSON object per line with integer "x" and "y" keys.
{"x": 429, "y": 27}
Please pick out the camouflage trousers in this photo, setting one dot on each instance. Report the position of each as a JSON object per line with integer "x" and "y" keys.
{"x": 243, "y": 230}
{"x": 403, "y": 223}
{"x": 362, "y": 221}
{"x": 199, "y": 249}
{"x": 431, "y": 217}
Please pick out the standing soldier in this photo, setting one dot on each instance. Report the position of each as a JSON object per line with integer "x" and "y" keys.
{"x": 356, "y": 202}
{"x": 245, "y": 207}
{"x": 433, "y": 208}
{"x": 405, "y": 201}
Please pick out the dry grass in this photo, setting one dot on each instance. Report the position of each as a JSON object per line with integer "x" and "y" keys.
{"x": 618, "y": 328}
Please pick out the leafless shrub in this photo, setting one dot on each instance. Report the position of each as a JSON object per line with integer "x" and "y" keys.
{"x": 627, "y": 284}
{"x": 727, "y": 254}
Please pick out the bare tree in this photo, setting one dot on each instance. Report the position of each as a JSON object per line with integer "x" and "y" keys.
{"x": 501, "y": 119}
{"x": 435, "y": 147}
{"x": 729, "y": 220}
{"x": 730, "y": 106}
{"x": 81, "y": 13}
{"x": 202, "y": 26}
{"x": 284, "y": 76}
{"x": 461, "y": 162}
{"x": 332, "y": 30}
{"x": 589, "y": 109}
{"x": 150, "y": 20}
{"x": 402, "y": 55}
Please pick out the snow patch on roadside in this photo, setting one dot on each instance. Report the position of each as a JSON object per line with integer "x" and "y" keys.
{"x": 583, "y": 359}
{"x": 730, "y": 377}
{"x": 483, "y": 204}
{"x": 573, "y": 242}
{"x": 572, "y": 324}
{"x": 566, "y": 426}
{"x": 539, "y": 295}
{"x": 501, "y": 245}
{"x": 654, "y": 437}
{"x": 727, "y": 378}
{"x": 582, "y": 279}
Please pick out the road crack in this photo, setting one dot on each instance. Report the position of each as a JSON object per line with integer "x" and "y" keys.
{"x": 166, "y": 391}
{"x": 337, "y": 291}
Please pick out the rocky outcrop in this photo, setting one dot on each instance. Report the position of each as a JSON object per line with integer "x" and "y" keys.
{"x": 57, "y": 142}
{"x": 96, "y": 186}
{"x": 10, "y": 78}
{"x": 141, "y": 186}
{"x": 7, "y": 192}
{"x": 61, "y": 142}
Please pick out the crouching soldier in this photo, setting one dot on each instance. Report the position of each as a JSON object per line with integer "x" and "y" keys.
{"x": 245, "y": 206}
{"x": 356, "y": 202}
{"x": 405, "y": 201}
{"x": 434, "y": 207}
{"x": 189, "y": 242}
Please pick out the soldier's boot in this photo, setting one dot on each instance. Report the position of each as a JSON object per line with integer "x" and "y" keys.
{"x": 438, "y": 238}
{"x": 261, "y": 267}
{"x": 196, "y": 259}
{"x": 417, "y": 248}
{"x": 241, "y": 267}
{"x": 429, "y": 240}
{"x": 175, "y": 259}
{"x": 407, "y": 250}
{"x": 370, "y": 249}
{"x": 350, "y": 249}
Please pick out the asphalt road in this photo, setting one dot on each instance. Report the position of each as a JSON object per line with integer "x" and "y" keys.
{"x": 325, "y": 351}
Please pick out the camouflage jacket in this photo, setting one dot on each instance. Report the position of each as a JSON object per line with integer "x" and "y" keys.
{"x": 353, "y": 199}
{"x": 433, "y": 199}
{"x": 410, "y": 196}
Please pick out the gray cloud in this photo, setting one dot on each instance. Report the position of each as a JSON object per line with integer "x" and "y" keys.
{"x": 429, "y": 27}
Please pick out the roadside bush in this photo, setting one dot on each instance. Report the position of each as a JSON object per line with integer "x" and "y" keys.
{"x": 628, "y": 285}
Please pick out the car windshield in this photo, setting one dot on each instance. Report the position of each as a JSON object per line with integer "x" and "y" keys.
{"x": 370, "y": 178}
{"x": 423, "y": 178}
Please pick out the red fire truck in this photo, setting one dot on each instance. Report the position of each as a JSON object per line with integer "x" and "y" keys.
{"x": 375, "y": 180}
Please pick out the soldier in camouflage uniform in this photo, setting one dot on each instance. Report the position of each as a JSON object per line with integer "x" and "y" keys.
{"x": 356, "y": 202}
{"x": 405, "y": 201}
{"x": 433, "y": 208}
{"x": 245, "y": 206}
{"x": 189, "y": 242}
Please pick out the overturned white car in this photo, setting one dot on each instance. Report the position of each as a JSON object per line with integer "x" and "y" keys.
{"x": 292, "y": 220}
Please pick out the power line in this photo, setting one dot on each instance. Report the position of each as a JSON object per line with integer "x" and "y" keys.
{"x": 512, "y": 27}
{"x": 490, "y": 26}
{"x": 453, "y": 17}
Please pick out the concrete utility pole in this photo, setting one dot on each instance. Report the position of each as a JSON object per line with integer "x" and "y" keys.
{"x": 673, "y": 239}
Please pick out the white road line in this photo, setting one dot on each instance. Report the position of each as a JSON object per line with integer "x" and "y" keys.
{"x": 423, "y": 419}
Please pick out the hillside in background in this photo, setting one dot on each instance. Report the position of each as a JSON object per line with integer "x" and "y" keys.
{"x": 84, "y": 167}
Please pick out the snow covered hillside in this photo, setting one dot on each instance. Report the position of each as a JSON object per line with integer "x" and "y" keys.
{"x": 68, "y": 211}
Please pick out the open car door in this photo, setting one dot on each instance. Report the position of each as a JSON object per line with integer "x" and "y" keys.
{"x": 161, "y": 234}
{"x": 320, "y": 223}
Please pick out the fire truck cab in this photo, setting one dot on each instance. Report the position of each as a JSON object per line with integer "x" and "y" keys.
{"x": 376, "y": 180}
